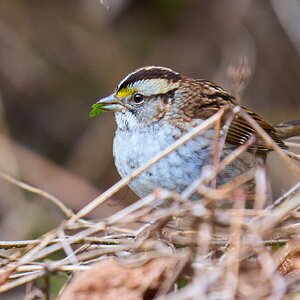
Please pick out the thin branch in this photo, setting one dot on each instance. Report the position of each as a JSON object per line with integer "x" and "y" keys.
{"x": 39, "y": 192}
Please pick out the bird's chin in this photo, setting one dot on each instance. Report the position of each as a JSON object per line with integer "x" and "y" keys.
{"x": 126, "y": 120}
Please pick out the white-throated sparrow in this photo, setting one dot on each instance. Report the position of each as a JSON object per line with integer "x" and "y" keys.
{"x": 154, "y": 106}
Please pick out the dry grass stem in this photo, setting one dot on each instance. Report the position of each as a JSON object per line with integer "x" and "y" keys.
{"x": 219, "y": 248}
{"x": 68, "y": 212}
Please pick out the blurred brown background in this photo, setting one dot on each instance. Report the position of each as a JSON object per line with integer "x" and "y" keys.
{"x": 59, "y": 57}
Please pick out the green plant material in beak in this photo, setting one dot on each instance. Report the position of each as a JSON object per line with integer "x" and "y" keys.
{"x": 97, "y": 109}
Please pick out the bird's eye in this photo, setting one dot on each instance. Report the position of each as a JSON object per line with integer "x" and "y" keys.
{"x": 138, "y": 98}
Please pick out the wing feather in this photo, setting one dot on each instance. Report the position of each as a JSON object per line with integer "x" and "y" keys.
{"x": 213, "y": 97}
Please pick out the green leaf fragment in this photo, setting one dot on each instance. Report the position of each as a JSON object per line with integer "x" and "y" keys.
{"x": 97, "y": 109}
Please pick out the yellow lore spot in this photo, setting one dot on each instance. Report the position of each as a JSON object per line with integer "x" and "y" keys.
{"x": 125, "y": 92}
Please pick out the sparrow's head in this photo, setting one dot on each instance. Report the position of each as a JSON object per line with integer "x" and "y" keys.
{"x": 153, "y": 94}
{"x": 145, "y": 96}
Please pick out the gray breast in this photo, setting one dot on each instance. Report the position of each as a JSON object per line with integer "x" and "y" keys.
{"x": 133, "y": 148}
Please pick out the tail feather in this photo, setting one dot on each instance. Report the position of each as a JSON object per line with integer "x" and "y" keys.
{"x": 288, "y": 129}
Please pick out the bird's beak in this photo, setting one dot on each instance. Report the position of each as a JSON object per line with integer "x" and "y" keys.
{"x": 111, "y": 102}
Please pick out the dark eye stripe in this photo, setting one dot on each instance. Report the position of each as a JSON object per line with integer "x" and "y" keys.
{"x": 152, "y": 73}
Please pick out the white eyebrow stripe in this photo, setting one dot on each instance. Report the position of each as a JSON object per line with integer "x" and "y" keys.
{"x": 156, "y": 86}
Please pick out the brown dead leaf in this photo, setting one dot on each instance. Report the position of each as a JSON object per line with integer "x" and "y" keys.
{"x": 111, "y": 280}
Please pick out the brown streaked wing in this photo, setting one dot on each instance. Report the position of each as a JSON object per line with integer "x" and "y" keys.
{"x": 240, "y": 131}
{"x": 213, "y": 97}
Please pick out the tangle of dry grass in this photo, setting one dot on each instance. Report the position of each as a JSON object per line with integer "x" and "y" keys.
{"x": 184, "y": 249}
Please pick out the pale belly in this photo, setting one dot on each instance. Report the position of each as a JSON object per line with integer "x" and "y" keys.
{"x": 174, "y": 172}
